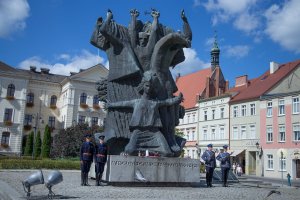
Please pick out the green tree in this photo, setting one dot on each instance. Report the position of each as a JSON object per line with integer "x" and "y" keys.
{"x": 37, "y": 145}
{"x": 46, "y": 142}
{"x": 29, "y": 143}
{"x": 68, "y": 142}
{"x": 180, "y": 134}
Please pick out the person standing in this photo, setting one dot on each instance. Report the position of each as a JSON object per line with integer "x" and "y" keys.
{"x": 210, "y": 164}
{"x": 86, "y": 158}
{"x": 100, "y": 159}
{"x": 224, "y": 158}
{"x": 289, "y": 179}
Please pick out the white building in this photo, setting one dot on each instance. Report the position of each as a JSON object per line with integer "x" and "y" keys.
{"x": 30, "y": 99}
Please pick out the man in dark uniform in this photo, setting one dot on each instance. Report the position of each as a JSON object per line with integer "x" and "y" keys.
{"x": 86, "y": 158}
{"x": 100, "y": 159}
{"x": 210, "y": 164}
{"x": 224, "y": 158}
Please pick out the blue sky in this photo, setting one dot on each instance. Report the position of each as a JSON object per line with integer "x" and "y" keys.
{"x": 56, "y": 33}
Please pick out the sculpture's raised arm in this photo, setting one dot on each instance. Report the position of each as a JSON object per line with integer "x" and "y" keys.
{"x": 154, "y": 28}
{"x": 133, "y": 32}
{"x": 186, "y": 27}
{"x": 113, "y": 32}
{"x": 121, "y": 104}
{"x": 171, "y": 101}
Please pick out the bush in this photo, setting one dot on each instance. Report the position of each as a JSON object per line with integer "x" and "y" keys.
{"x": 46, "y": 143}
{"x": 15, "y": 163}
{"x": 37, "y": 145}
{"x": 29, "y": 143}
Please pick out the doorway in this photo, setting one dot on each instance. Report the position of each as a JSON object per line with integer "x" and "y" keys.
{"x": 298, "y": 168}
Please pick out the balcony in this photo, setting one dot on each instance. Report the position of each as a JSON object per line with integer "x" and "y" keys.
{"x": 10, "y": 98}
{"x": 53, "y": 107}
{"x": 4, "y": 145}
{"x": 96, "y": 106}
{"x": 29, "y": 104}
{"x": 27, "y": 127}
{"x": 8, "y": 123}
{"x": 83, "y": 105}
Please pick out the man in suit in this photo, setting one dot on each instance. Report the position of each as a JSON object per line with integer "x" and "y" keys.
{"x": 224, "y": 158}
{"x": 100, "y": 159}
{"x": 86, "y": 158}
{"x": 210, "y": 164}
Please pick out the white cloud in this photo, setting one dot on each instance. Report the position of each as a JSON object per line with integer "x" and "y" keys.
{"x": 283, "y": 24}
{"x": 76, "y": 62}
{"x": 237, "y": 51}
{"x": 13, "y": 14}
{"x": 240, "y": 12}
{"x": 191, "y": 64}
{"x": 196, "y": 3}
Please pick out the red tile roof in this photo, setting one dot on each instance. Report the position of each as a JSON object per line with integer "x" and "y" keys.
{"x": 265, "y": 82}
{"x": 192, "y": 85}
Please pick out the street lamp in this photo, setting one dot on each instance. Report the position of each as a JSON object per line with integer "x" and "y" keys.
{"x": 281, "y": 156}
{"x": 260, "y": 154}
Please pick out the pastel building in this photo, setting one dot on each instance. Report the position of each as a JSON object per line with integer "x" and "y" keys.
{"x": 30, "y": 99}
{"x": 280, "y": 122}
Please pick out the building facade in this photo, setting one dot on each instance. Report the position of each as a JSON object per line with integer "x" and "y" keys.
{"x": 30, "y": 99}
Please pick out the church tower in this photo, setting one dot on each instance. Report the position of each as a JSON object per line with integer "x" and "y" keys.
{"x": 215, "y": 54}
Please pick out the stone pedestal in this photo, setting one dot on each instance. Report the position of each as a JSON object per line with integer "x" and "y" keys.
{"x": 133, "y": 169}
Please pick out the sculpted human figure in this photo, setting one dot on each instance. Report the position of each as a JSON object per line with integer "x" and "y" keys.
{"x": 145, "y": 123}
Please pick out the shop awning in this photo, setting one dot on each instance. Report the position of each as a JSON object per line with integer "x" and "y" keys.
{"x": 236, "y": 152}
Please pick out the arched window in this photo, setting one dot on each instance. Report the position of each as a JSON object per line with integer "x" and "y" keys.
{"x": 53, "y": 100}
{"x": 5, "y": 139}
{"x": 30, "y": 98}
{"x": 83, "y": 98}
{"x": 10, "y": 90}
{"x": 96, "y": 100}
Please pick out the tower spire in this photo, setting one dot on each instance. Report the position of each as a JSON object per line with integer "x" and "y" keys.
{"x": 215, "y": 53}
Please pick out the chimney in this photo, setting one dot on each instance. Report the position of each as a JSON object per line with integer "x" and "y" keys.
{"x": 33, "y": 68}
{"x": 241, "y": 80}
{"x": 226, "y": 85}
{"x": 273, "y": 67}
{"x": 45, "y": 70}
{"x": 81, "y": 70}
{"x": 72, "y": 73}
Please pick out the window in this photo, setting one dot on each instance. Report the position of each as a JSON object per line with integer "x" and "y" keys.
{"x": 213, "y": 114}
{"x": 205, "y": 115}
{"x": 296, "y": 108}
{"x": 53, "y": 100}
{"x": 252, "y": 131}
{"x": 94, "y": 121}
{"x": 244, "y": 110}
{"x": 96, "y": 100}
{"x": 188, "y": 119}
{"x": 5, "y": 138}
{"x": 282, "y": 164}
{"x": 235, "y": 133}
{"x": 204, "y": 134}
{"x": 193, "y": 135}
{"x": 281, "y": 134}
{"x": 269, "y": 109}
{"x": 213, "y": 134}
{"x": 222, "y": 132}
{"x": 81, "y": 119}
{"x": 222, "y": 113}
{"x": 194, "y": 119}
{"x": 252, "y": 109}
{"x": 243, "y": 132}
{"x": 281, "y": 109}
{"x": 269, "y": 134}
{"x": 296, "y": 130}
{"x": 235, "y": 111}
{"x": 270, "y": 162}
{"x": 28, "y": 119}
{"x": 51, "y": 122}
{"x": 10, "y": 90}
{"x": 30, "y": 98}
{"x": 83, "y": 98}
{"x": 8, "y": 114}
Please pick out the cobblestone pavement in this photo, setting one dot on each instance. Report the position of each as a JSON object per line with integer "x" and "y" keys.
{"x": 10, "y": 183}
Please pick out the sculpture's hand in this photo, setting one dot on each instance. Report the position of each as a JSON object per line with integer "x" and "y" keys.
{"x": 109, "y": 15}
{"x": 183, "y": 17}
{"x": 155, "y": 13}
{"x": 99, "y": 21}
{"x": 134, "y": 13}
{"x": 180, "y": 97}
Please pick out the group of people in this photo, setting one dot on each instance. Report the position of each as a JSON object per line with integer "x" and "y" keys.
{"x": 90, "y": 153}
{"x": 209, "y": 157}
{"x": 237, "y": 169}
